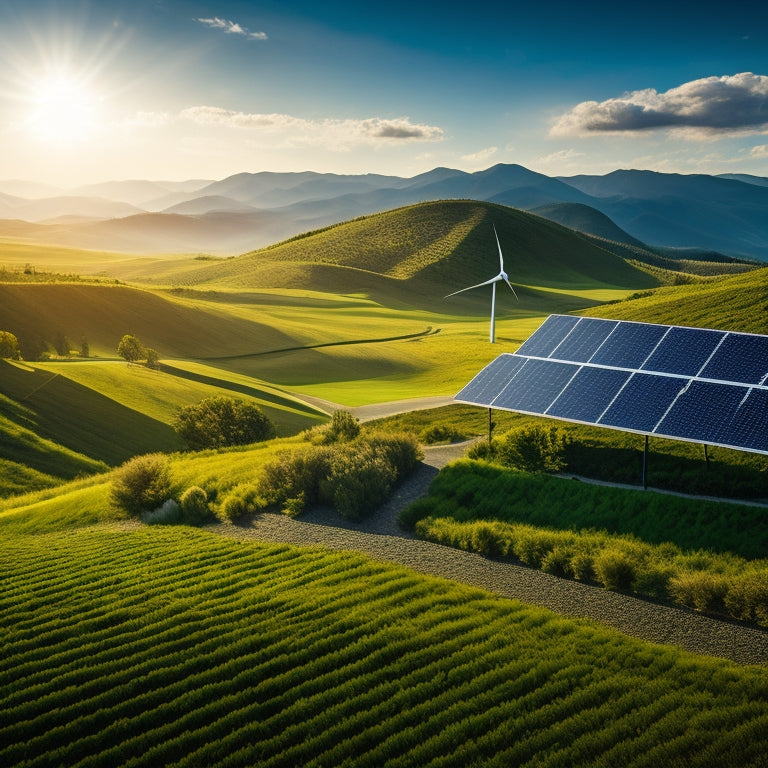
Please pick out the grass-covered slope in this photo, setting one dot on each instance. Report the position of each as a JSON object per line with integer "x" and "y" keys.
{"x": 735, "y": 303}
{"x": 103, "y": 314}
{"x": 430, "y": 248}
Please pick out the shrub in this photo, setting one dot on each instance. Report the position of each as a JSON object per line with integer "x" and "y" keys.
{"x": 401, "y": 450}
{"x": 342, "y": 428}
{"x": 486, "y": 540}
{"x": 241, "y": 501}
{"x": 295, "y": 506}
{"x": 142, "y": 484}
{"x": 441, "y": 433}
{"x": 653, "y": 580}
{"x": 615, "y": 569}
{"x": 702, "y": 590}
{"x": 533, "y": 449}
{"x": 357, "y": 481}
{"x": 482, "y": 450}
{"x": 9, "y": 346}
{"x": 747, "y": 597}
{"x": 292, "y": 474}
{"x": 583, "y": 566}
{"x": 217, "y": 422}
{"x": 558, "y": 562}
{"x": 532, "y": 545}
{"x": 194, "y": 504}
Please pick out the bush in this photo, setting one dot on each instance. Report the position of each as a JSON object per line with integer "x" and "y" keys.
{"x": 358, "y": 481}
{"x": 747, "y": 597}
{"x": 142, "y": 484}
{"x": 558, "y": 562}
{"x": 486, "y": 540}
{"x": 294, "y": 474}
{"x": 217, "y": 422}
{"x": 194, "y": 504}
{"x": 615, "y": 569}
{"x": 441, "y": 433}
{"x": 241, "y": 501}
{"x": 533, "y": 449}
{"x": 401, "y": 450}
{"x": 702, "y": 590}
{"x": 583, "y": 566}
{"x": 342, "y": 428}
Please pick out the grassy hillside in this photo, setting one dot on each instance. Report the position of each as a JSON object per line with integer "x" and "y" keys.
{"x": 420, "y": 252}
{"x": 736, "y": 303}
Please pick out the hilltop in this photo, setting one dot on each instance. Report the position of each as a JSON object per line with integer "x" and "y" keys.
{"x": 726, "y": 214}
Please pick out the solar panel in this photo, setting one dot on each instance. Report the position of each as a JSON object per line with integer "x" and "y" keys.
{"x": 693, "y": 384}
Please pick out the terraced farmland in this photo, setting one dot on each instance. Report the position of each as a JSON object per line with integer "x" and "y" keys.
{"x": 160, "y": 646}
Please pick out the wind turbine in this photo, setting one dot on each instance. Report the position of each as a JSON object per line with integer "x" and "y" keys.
{"x": 492, "y": 282}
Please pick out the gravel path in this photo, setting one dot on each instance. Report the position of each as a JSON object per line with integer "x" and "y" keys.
{"x": 381, "y": 537}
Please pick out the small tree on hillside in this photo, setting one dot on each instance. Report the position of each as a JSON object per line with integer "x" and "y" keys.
{"x": 85, "y": 350}
{"x": 220, "y": 421}
{"x": 9, "y": 346}
{"x": 153, "y": 359}
{"x": 130, "y": 348}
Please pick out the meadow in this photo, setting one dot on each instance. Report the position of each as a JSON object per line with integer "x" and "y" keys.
{"x": 131, "y": 644}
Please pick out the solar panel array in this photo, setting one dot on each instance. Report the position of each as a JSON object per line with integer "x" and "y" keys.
{"x": 693, "y": 384}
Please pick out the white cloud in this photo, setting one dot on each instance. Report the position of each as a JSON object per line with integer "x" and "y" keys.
{"x": 232, "y": 28}
{"x": 330, "y": 132}
{"x": 563, "y": 156}
{"x": 711, "y": 106}
{"x": 481, "y": 156}
{"x": 760, "y": 151}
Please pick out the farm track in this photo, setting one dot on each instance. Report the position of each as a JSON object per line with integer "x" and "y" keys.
{"x": 381, "y": 537}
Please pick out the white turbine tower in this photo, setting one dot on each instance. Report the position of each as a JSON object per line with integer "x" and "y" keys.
{"x": 492, "y": 282}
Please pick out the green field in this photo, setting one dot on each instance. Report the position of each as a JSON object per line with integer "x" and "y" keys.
{"x": 177, "y": 647}
{"x": 127, "y": 644}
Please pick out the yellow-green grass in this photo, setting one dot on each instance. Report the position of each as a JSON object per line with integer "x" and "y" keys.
{"x": 157, "y": 646}
{"x": 736, "y": 303}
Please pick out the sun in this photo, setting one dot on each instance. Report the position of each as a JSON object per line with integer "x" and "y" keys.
{"x": 63, "y": 108}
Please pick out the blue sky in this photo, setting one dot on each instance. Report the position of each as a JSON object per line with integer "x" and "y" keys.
{"x": 172, "y": 89}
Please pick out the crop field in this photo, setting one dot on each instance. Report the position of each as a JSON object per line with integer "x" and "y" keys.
{"x": 157, "y": 646}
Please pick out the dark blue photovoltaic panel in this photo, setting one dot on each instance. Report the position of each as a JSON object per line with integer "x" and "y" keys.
{"x": 589, "y": 394}
{"x": 749, "y": 426}
{"x": 683, "y": 351}
{"x": 536, "y": 385}
{"x": 687, "y": 383}
{"x": 642, "y": 402}
{"x": 548, "y": 335}
{"x": 582, "y": 342}
{"x": 629, "y": 345}
{"x": 491, "y": 380}
{"x": 702, "y": 412}
{"x": 741, "y": 357}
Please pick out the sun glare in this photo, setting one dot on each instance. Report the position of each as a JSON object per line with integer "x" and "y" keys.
{"x": 63, "y": 109}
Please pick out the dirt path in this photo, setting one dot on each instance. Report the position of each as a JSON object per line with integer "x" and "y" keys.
{"x": 381, "y": 537}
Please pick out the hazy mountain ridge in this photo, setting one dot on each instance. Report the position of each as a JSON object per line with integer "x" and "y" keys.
{"x": 727, "y": 214}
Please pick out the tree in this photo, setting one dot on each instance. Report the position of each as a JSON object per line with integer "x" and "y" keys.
{"x": 61, "y": 345}
{"x": 220, "y": 421}
{"x": 9, "y": 346}
{"x": 153, "y": 359}
{"x": 130, "y": 348}
{"x": 85, "y": 350}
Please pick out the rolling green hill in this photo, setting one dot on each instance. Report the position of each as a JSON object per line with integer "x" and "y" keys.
{"x": 735, "y": 303}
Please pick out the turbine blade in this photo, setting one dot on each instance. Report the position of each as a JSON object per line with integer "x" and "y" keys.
{"x": 511, "y": 288}
{"x": 479, "y": 285}
{"x": 501, "y": 257}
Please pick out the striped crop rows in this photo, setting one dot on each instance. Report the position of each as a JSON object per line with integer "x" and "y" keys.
{"x": 175, "y": 647}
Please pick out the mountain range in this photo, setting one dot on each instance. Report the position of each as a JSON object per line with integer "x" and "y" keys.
{"x": 676, "y": 214}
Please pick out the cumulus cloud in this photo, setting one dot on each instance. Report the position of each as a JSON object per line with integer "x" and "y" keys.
{"x": 232, "y": 28}
{"x": 760, "y": 151}
{"x": 332, "y": 132}
{"x": 732, "y": 104}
